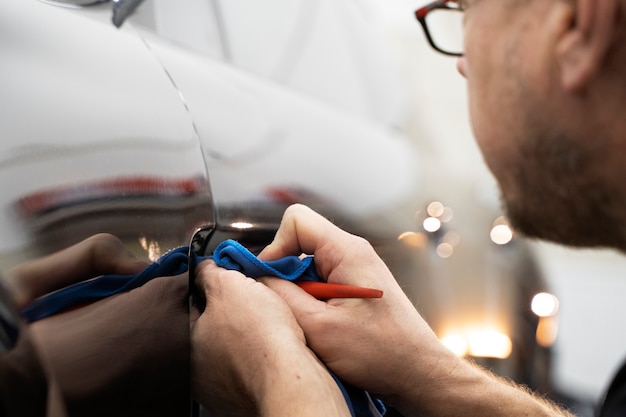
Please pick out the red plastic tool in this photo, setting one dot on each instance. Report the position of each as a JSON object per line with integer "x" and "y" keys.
{"x": 325, "y": 291}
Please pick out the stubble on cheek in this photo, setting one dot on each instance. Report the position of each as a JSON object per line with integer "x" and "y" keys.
{"x": 548, "y": 179}
{"x": 555, "y": 193}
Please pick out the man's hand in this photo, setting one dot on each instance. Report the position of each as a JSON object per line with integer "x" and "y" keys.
{"x": 383, "y": 345}
{"x": 249, "y": 356}
{"x": 363, "y": 340}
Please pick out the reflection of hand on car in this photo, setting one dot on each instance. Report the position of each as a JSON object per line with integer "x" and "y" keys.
{"x": 127, "y": 354}
{"x": 25, "y": 389}
{"x": 249, "y": 355}
{"x": 97, "y": 255}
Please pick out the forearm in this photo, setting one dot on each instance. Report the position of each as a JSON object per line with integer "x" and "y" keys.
{"x": 458, "y": 387}
{"x": 302, "y": 387}
{"x": 280, "y": 379}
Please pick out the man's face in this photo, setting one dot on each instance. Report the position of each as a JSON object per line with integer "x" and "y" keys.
{"x": 548, "y": 175}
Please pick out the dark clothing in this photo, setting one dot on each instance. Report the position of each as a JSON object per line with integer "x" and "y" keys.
{"x": 614, "y": 404}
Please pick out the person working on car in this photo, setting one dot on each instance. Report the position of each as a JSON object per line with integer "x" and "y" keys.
{"x": 547, "y": 97}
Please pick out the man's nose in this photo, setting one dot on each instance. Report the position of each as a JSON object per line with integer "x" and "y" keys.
{"x": 461, "y": 66}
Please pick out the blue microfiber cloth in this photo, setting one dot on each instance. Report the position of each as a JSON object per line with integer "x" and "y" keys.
{"x": 228, "y": 254}
{"x": 175, "y": 262}
{"x": 232, "y": 255}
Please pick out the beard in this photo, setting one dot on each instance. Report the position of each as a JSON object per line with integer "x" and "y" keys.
{"x": 556, "y": 182}
{"x": 555, "y": 191}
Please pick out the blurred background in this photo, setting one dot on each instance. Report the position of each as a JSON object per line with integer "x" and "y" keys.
{"x": 339, "y": 104}
{"x": 589, "y": 284}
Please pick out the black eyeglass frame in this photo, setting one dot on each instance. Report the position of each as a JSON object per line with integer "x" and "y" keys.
{"x": 422, "y": 12}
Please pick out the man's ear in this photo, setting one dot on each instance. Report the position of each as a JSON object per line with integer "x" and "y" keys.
{"x": 583, "y": 47}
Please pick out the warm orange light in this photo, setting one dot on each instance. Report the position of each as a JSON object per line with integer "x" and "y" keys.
{"x": 480, "y": 343}
{"x": 456, "y": 343}
{"x": 547, "y": 330}
{"x": 413, "y": 239}
{"x": 489, "y": 344}
{"x": 152, "y": 247}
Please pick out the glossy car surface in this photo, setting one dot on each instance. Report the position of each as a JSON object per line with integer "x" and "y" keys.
{"x": 102, "y": 122}
{"x": 130, "y": 132}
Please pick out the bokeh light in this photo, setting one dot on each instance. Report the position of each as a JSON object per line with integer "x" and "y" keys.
{"x": 501, "y": 234}
{"x": 431, "y": 224}
{"x": 544, "y": 304}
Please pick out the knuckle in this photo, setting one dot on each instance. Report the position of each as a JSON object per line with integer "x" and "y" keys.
{"x": 106, "y": 244}
{"x": 361, "y": 244}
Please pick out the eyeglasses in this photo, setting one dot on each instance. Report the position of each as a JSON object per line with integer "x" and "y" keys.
{"x": 442, "y": 21}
